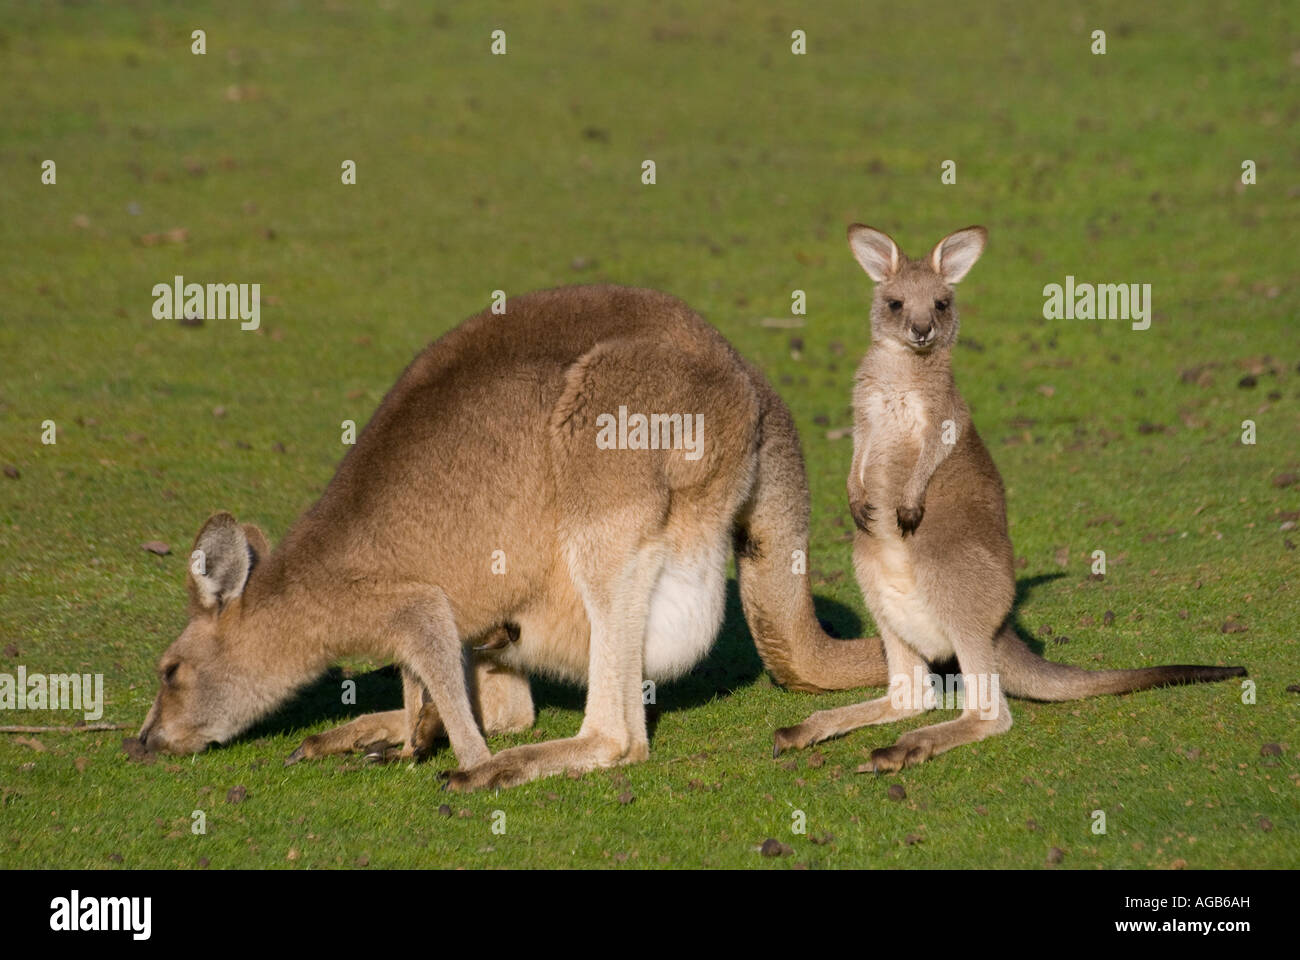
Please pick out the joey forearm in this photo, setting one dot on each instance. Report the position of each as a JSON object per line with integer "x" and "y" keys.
{"x": 936, "y": 444}
{"x": 859, "y": 507}
{"x": 933, "y": 452}
{"x": 893, "y": 482}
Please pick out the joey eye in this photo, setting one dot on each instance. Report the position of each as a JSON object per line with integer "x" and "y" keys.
{"x": 169, "y": 675}
{"x": 895, "y": 305}
{"x": 941, "y": 305}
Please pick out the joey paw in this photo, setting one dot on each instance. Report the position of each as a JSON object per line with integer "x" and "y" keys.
{"x": 862, "y": 513}
{"x": 909, "y": 518}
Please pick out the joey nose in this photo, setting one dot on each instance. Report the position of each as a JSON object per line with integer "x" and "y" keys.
{"x": 921, "y": 332}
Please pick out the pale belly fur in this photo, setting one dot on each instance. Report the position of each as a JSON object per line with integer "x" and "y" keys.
{"x": 884, "y": 569}
{"x": 686, "y": 609}
{"x": 884, "y": 564}
{"x": 685, "y": 613}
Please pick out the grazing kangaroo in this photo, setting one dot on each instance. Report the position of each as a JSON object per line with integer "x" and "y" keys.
{"x": 932, "y": 552}
{"x": 490, "y": 502}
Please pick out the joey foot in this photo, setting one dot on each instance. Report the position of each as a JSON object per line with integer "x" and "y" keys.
{"x": 427, "y": 728}
{"x": 796, "y": 737}
{"x": 382, "y": 751}
{"x": 909, "y": 518}
{"x": 900, "y": 755}
{"x": 298, "y": 754}
{"x": 313, "y": 746}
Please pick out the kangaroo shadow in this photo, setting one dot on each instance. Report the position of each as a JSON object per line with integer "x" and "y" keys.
{"x": 1023, "y": 588}
{"x": 327, "y": 699}
{"x": 732, "y": 663}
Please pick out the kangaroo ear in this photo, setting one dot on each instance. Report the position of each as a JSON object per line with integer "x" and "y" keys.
{"x": 954, "y": 255}
{"x": 225, "y": 558}
{"x": 257, "y": 542}
{"x": 874, "y": 251}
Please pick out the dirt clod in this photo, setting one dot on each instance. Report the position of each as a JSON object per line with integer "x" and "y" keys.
{"x": 775, "y": 848}
{"x": 136, "y": 751}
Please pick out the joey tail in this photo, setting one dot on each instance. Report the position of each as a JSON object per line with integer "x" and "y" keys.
{"x": 1025, "y": 674}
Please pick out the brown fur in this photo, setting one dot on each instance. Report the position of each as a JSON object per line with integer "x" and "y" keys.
{"x": 487, "y": 443}
{"x": 932, "y": 551}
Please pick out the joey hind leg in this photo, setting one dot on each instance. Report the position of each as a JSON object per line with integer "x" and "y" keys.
{"x": 502, "y": 702}
{"x": 837, "y": 721}
{"x": 984, "y": 714}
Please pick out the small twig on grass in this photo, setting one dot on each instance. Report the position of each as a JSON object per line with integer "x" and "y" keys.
{"x": 86, "y": 728}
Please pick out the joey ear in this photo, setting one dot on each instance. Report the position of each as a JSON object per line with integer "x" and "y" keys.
{"x": 225, "y": 560}
{"x": 874, "y": 250}
{"x": 954, "y": 255}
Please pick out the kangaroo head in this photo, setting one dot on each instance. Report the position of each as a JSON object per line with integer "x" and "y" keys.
{"x": 913, "y": 302}
{"x": 212, "y": 685}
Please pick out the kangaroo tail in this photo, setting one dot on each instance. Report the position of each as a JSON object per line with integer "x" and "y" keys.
{"x": 1025, "y": 674}
{"x": 778, "y": 601}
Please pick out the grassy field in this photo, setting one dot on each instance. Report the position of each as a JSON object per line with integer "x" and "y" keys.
{"x": 478, "y": 172}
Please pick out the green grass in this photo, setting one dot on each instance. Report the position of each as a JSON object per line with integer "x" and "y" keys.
{"x": 477, "y": 173}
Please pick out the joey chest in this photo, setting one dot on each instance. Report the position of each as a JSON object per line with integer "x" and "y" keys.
{"x": 891, "y": 425}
